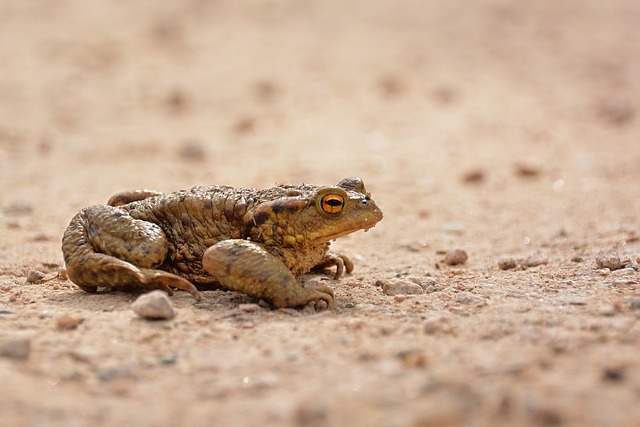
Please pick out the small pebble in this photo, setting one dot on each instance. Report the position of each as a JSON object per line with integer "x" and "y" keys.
{"x": 18, "y": 209}
{"x": 412, "y": 359}
{"x": 546, "y": 417}
{"x": 434, "y": 324}
{"x": 192, "y": 150}
{"x": 458, "y": 310}
{"x": 617, "y": 111}
{"x": 67, "y": 322}
{"x": 634, "y": 303}
{"x": 572, "y": 300}
{"x": 244, "y": 125}
{"x": 445, "y": 94}
{"x": 533, "y": 261}
{"x": 266, "y": 90}
{"x": 528, "y": 168}
{"x": 177, "y": 100}
{"x": 414, "y": 246}
{"x": 613, "y": 374}
{"x": 84, "y": 354}
{"x": 308, "y": 414}
{"x": 609, "y": 259}
{"x": 169, "y": 359}
{"x": 399, "y": 297}
{"x": 15, "y": 347}
{"x": 633, "y": 237}
{"x": 474, "y": 176}
{"x": 467, "y": 298}
{"x": 394, "y": 287}
{"x": 454, "y": 228}
{"x": 154, "y": 305}
{"x": 456, "y": 257}
{"x": 606, "y": 310}
{"x": 35, "y": 276}
{"x": 433, "y": 288}
{"x": 623, "y": 271}
{"x": 507, "y": 263}
{"x": 391, "y": 86}
{"x": 117, "y": 370}
{"x": 13, "y": 224}
{"x": 427, "y": 283}
{"x": 249, "y": 308}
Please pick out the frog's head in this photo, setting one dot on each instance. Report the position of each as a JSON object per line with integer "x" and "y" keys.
{"x": 308, "y": 215}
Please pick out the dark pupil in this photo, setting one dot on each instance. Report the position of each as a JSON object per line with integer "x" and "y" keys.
{"x": 333, "y": 202}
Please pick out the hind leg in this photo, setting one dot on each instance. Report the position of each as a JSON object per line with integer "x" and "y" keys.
{"x": 105, "y": 247}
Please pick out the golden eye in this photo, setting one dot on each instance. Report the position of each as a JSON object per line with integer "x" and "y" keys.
{"x": 332, "y": 203}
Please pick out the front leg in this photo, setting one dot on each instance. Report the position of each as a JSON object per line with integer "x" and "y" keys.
{"x": 341, "y": 262}
{"x": 245, "y": 266}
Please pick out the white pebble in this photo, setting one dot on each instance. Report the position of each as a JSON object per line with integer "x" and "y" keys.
{"x": 154, "y": 305}
{"x": 401, "y": 287}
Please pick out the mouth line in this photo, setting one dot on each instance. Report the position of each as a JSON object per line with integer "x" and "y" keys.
{"x": 336, "y": 235}
{"x": 344, "y": 233}
{"x": 364, "y": 224}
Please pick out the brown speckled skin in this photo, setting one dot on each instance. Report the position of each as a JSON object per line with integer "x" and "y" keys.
{"x": 253, "y": 241}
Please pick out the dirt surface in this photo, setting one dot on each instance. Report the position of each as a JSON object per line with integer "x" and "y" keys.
{"x": 509, "y": 130}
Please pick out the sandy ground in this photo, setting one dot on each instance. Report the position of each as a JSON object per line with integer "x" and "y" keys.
{"x": 507, "y": 129}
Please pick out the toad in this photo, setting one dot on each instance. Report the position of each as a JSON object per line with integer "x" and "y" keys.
{"x": 242, "y": 239}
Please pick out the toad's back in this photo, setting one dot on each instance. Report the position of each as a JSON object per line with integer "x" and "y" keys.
{"x": 148, "y": 239}
{"x": 196, "y": 219}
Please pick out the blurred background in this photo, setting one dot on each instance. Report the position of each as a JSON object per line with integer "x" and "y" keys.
{"x": 505, "y": 128}
{"x": 417, "y": 97}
